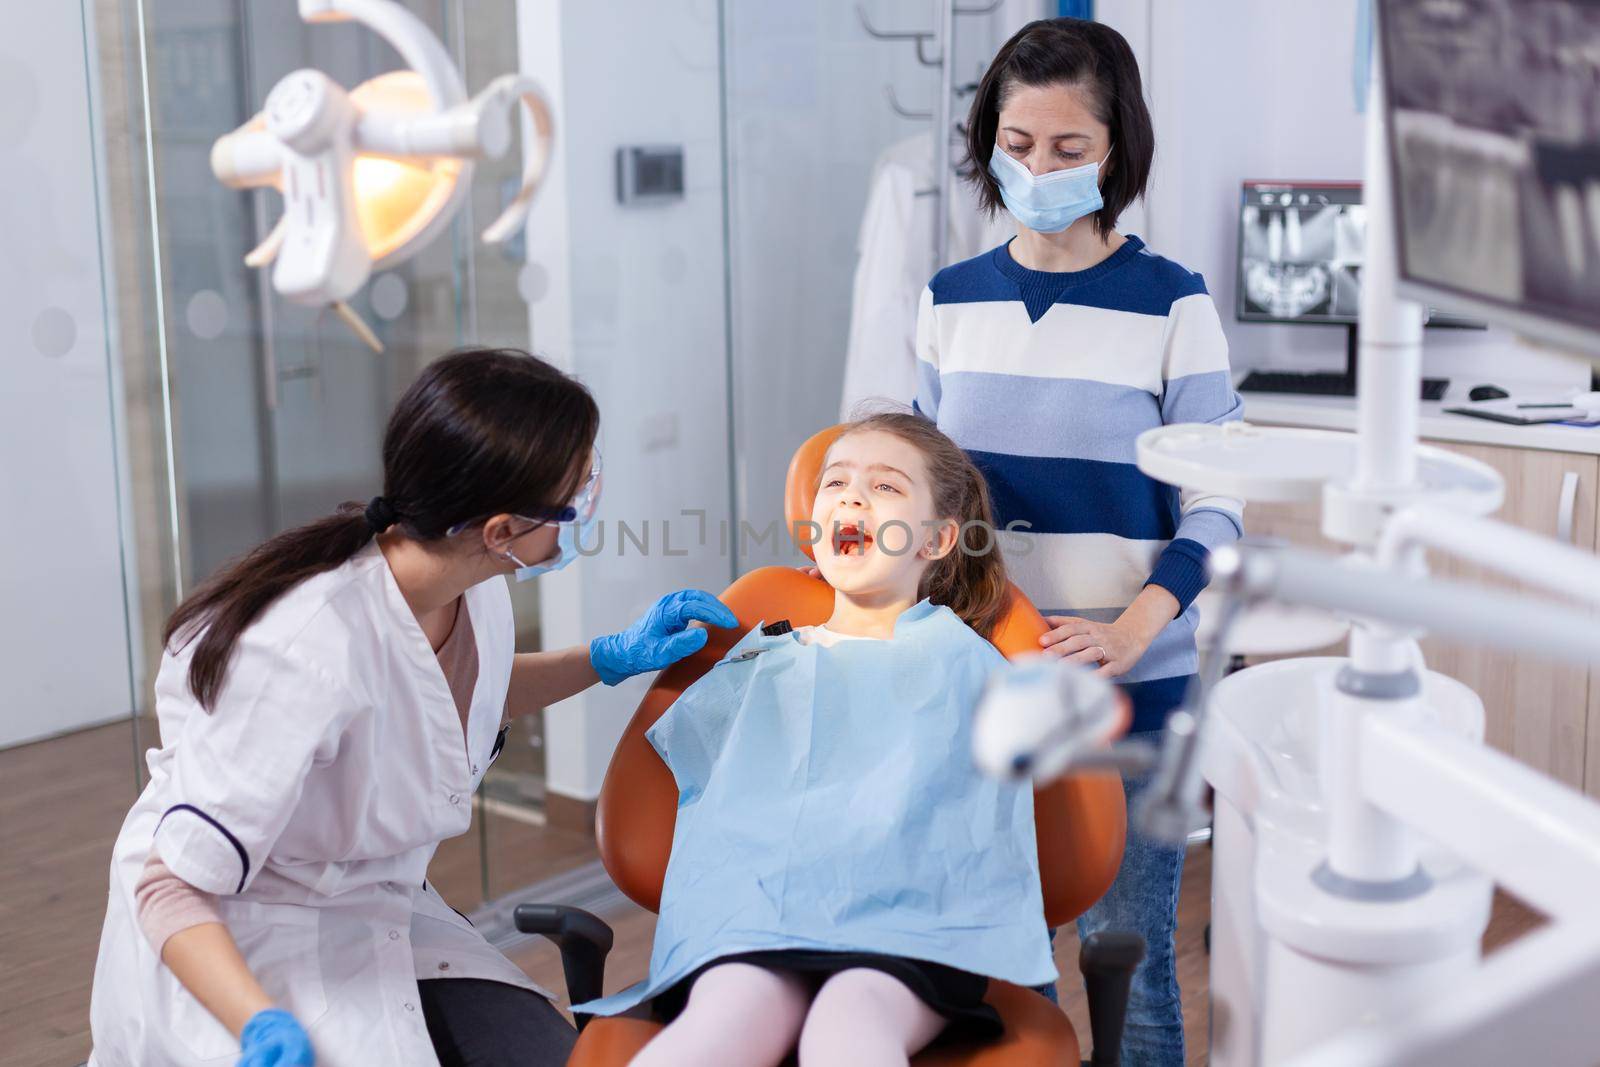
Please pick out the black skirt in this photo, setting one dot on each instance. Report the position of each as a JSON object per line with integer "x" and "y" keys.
{"x": 955, "y": 994}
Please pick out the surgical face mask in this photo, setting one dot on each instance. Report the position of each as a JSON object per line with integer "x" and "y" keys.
{"x": 574, "y": 523}
{"x": 567, "y": 541}
{"x": 1046, "y": 203}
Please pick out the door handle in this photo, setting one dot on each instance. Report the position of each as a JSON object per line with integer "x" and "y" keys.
{"x": 1566, "y": 510}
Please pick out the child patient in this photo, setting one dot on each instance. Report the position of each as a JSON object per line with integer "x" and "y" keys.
{"x": 843, "y": 880}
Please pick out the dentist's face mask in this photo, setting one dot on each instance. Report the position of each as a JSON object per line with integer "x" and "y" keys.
{"x": 1046, "y": 203}
{"x": 575, "y": 521}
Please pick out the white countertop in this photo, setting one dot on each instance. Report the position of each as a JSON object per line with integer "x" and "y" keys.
{"x": 1339, "y": 413}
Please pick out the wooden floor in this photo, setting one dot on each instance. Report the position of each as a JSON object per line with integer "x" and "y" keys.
{"x": 62, "y": 801}
{"x": 61, "y": 805}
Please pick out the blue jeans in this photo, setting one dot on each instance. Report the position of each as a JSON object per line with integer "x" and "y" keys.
{"x": 1144, "y": 900}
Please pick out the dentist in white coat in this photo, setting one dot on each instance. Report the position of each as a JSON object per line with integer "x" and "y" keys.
{"x": 328, "y": 704}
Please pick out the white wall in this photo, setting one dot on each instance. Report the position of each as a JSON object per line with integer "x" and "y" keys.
{"x": 633, "y": 298}
{"x": 1262, "y": 89}
{"x": 808, "y": 119}
{"x": 64, "y": 638}
{"x": 632, "y": 302}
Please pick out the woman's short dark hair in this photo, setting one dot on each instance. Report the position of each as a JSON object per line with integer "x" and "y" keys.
{"x": 1074, "y": 52}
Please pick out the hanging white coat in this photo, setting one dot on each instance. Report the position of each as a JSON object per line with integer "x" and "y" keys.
{"x": 894, "y": 262}
{"x": 311, "y": 800}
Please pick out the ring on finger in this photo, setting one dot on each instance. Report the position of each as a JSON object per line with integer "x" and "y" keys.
{"x": 1100, "y": 651}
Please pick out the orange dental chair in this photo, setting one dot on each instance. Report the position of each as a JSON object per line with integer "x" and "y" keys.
{"x": 1080, "y": 825}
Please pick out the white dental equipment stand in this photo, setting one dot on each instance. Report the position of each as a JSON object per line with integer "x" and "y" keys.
{"x": 1371, "y": 956}
{"x": 1370, "y": 917}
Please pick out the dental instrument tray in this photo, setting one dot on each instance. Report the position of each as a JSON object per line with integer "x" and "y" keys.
{"x": 1288, "y": 464}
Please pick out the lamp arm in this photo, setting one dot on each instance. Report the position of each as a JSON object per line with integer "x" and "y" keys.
{"x": 406, "y": 33}
{"x": 247, "y": 158}
{"x": 494, "y": 105}
{"x": 1529, "y": 557}
{"x": 1460, "y": 610}
{"x": 1452, "y": 609}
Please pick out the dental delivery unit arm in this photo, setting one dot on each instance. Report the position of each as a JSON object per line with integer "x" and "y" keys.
{"x": 371, "y": 175}
{"x": 1351, "y": 915}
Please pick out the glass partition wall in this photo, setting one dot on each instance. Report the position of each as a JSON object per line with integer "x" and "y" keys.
{"x": 817, "y": 95}
{"x": 691, "y": 257}
{"x": 709, "y": 316}
{"x": 273, "y": 412}
{"x": 705, "y": 302}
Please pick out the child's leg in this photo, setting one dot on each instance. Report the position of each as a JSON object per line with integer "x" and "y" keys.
{"x": 865, "y": 1017}
{"x": 738, "y": 1014}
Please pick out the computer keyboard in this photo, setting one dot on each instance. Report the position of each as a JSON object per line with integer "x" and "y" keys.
{"x": 1323, "y": 384}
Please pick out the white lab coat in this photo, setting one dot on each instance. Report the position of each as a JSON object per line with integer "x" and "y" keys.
{"x": 895, "y": 262}
{"x": 311, "y": 800}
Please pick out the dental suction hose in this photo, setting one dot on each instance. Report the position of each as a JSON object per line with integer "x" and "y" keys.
{"x": 1469, "y": 613}
{"x": 1169, "y": 809}
{"x": 1250, "y": 574}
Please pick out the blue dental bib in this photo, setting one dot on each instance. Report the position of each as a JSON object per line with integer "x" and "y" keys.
{"x": 828, "y": 801}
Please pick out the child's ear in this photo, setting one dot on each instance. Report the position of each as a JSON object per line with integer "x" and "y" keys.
{"x": 941, "y": 540}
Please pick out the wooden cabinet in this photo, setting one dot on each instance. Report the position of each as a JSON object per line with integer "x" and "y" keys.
{"x": 1536, "y": 709}
{"x": 1591, "y": 777}
{"x": 1543, "y": 712}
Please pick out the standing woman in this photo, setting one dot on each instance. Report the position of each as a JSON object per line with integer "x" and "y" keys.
{"x": 328, "y": 705}
{"x": 1046, "y": 358}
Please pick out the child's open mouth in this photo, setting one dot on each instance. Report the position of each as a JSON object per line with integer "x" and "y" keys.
{"x": 850, "y": 538}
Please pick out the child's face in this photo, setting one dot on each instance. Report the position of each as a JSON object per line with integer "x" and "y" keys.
{"x": 874, "y": 509}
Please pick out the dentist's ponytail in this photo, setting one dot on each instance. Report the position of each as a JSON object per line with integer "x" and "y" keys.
{"x": 481, "y": 432}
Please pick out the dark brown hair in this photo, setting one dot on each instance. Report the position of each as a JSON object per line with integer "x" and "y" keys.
{"x": 481, "y": 432}
{"x": 971, "y": 580}
{"x": 1069, "y": 52}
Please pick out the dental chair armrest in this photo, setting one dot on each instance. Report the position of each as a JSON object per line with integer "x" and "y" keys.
{"x": 1107, "y": 960}
{"x": 584, "y": 940}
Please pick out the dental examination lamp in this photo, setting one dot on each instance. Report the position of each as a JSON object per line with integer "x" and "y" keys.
{"x": 1360, "y": 823}
{"x": 371, "y": 175}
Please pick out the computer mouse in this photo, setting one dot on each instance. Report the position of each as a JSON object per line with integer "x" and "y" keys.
{"x": 1487, "y": 392}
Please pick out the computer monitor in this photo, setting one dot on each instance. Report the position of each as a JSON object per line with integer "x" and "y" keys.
{"x": 1301, "y": 248}
{"x": 1494, "y": 136}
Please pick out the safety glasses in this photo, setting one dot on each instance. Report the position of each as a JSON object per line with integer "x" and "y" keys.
{"x": 580, "y": 511}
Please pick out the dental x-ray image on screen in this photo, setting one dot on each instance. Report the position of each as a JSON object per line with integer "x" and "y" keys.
{"x": 1300, "y": 251}
{"x": 1494, "y": 109}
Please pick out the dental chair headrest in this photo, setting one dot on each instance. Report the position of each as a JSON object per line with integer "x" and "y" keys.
{"x": 800, "y": 488}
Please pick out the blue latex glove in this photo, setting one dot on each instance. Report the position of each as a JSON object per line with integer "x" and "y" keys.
{"x": 272, "y": 1038}
{"x": 660, "y": 638}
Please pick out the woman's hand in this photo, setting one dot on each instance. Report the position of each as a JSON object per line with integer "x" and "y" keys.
{"x": 660, "y": 638}
{"x": 810, "y": 570}
{"x": 272, "y": 1038}
{"x": 1094, "y": 644}
{"x": 1112, "y": 646}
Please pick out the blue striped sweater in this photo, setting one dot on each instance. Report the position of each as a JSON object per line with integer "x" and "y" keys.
{"x": 1047, "y": 379}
